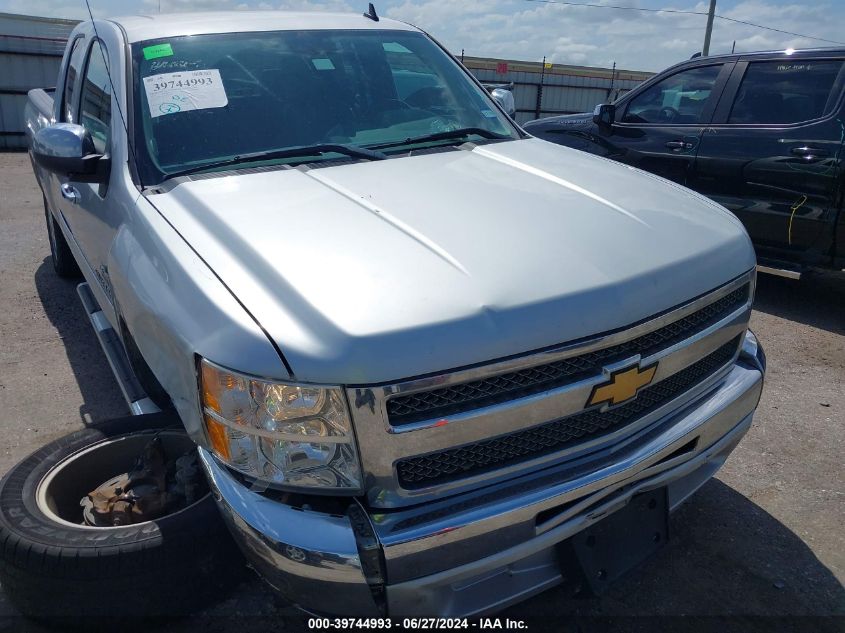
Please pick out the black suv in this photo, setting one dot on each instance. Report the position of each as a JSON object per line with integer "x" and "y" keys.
{"x": 760, "y": 133}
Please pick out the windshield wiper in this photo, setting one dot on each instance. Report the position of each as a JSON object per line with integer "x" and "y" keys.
{"x": 446, "y": 136}
{"x": 288, "y": 152}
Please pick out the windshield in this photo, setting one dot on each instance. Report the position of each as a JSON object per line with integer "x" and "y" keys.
{"x": 212, "y": 98}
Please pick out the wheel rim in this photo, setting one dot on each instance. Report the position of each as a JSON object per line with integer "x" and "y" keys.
{"x": 59, "y": 492}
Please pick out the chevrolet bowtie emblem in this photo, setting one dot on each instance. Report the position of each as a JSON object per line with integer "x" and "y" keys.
{"x": 622, "y": 385}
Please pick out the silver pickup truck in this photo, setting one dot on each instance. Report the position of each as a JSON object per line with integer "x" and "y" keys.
{"x": 432, "y": 365}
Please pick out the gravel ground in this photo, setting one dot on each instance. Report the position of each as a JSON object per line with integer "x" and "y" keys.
{"x": 762, "y": 545}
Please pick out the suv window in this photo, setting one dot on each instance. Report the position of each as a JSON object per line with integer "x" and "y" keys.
{"x": 785, "y": 92}
{"x": 678, "y": 99}
{"x": 68, "y": 113}
{"x": 95, "y": 108}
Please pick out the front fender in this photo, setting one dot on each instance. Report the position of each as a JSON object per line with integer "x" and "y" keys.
{"x": 175, "y": 308}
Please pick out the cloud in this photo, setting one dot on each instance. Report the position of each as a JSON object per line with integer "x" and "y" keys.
{"x": 530, "y": 30}
{"x": 633, "y": 39}
{"x": 173, "y": 6}
{"x": 316, "y": 5}
{"x": 51, "y": 8}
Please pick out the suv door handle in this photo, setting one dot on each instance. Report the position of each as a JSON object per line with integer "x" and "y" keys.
{"x": 679, "y": 145}
{"x": 809, "y": 153}
{"x": 69, "y": 192}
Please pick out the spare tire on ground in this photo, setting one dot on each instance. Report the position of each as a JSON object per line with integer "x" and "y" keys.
{"x": 54, "y": 566}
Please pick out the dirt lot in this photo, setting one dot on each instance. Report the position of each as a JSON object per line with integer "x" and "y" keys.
{"x": 762, "y": 545}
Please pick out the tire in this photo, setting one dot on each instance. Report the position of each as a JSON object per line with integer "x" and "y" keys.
{"x": 53, "y": 571}
{"x": 63, "y": 262}
{"x": 149, "y": 383}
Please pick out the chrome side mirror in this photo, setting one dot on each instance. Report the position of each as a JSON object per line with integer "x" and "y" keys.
{"x": 68, "y": 149}
{"x": 505, "y": 100}
{"x": 604, "y": 114}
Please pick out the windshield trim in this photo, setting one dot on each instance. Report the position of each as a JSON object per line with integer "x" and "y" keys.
{"x": 129, "y": 99}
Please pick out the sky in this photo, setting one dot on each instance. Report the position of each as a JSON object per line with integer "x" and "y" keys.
{"x": 531, "y": 29}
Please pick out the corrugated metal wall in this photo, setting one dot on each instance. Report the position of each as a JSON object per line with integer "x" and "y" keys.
{"x": 31, "y": 50}
{"x": 30, "y": 53}
{"x": 565, "y": 89}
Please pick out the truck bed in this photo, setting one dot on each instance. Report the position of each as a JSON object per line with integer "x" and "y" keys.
{"x": 39, "y": 109}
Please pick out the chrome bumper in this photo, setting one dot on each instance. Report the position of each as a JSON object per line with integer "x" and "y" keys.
{"x": 480, "y": 552}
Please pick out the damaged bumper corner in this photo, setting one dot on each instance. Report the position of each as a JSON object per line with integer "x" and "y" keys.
{"x": 311, "y": 558}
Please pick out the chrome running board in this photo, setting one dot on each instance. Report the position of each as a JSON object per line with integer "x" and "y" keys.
{"x": 132, "y": 391}
{"x": 780, "y": 272}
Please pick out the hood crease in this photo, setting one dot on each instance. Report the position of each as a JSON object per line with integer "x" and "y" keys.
{"x": 534, "y": 171}
{"x": 380, "y": 213}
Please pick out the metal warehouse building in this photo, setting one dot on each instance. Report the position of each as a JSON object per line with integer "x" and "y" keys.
{"x": 30, "y": 53}
{"x": 31, "y": 50}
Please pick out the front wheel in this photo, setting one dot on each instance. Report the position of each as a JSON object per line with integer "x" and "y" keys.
{"x": 76, "y": 541}
{"x": 63, "y": 262}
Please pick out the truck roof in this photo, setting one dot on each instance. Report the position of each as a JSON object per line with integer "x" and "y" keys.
{"x": 147, "y": 27}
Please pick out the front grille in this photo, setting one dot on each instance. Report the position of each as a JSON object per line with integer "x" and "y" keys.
{"x": 553, "y": 436}
{"x": 467, "y": 396}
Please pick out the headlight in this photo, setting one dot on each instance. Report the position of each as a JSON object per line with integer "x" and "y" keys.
{"x": 293, "y": 435}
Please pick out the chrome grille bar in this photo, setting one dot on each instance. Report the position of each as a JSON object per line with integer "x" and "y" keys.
{"x": 445, "y": 401}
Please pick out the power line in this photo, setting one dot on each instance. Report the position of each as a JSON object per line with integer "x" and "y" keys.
{"x": 771, "y": 28}
{"x": 612, "y": 6}
{"x": 684, "y": 12}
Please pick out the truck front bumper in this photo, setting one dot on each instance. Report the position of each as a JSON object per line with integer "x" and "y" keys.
{"x": 478, "y": 554}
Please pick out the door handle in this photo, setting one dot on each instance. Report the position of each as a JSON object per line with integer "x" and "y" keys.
{"x": 679, "y": 145}
{"x": 69, "y": 192}
{"x": 809, "y": 153}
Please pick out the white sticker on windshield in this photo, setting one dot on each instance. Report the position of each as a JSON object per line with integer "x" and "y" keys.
{"x": 169, "y": 93}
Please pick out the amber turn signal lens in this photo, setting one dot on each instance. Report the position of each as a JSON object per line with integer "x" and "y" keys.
{"x": 218, "y": 437}
{"x": 210, "y": 387}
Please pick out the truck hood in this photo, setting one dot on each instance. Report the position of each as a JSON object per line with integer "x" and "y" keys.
{"x": 377, "y": 271}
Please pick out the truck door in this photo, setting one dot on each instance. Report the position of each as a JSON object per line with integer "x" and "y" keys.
{"x": 92, "y": 216}
{"x": 772, "y": 155}
{"x": 658, "y": 127}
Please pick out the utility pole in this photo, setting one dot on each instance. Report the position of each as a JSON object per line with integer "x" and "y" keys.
{"x": 709, "y": 31}
{"x": 612, "y": 81}
{"x": 539, "y": 105}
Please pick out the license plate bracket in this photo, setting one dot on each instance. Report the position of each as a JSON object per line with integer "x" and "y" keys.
{"x": 605, "y": 551}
